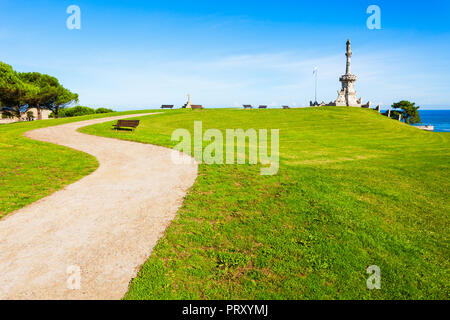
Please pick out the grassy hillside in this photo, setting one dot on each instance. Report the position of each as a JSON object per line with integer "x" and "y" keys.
{"x": 31, "y": 170}
{"x": 354, "y": 189}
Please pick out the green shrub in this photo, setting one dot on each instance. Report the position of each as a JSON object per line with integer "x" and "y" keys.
{"x": 76, "y": 111}
{"x": 7, "y": 114}
{"x": 103, "y": 110}
{"x": 30, "y": 115}
{"x": 79, "y": 111}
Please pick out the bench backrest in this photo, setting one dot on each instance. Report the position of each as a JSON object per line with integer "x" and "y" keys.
{"x": 263, "y": 107}
{"x": 247, "y": 106}
{"x": 167, "y": 106}
{"x": 196, "y": 106}
{"x": 285, "y": 107}
{"x": 128, "y": 123}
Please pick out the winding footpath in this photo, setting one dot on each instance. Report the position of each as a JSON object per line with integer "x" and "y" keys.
{"x": 98, "y": 230}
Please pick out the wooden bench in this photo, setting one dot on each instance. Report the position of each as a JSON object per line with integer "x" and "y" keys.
{"x": 262, "y": 107}
{"x": 196, "y": 106}
{"x": 167, "y": 106}
{"x": 247, "y": 106}
{"x": 286, "y": 107}
{"x": 126, "y": 124}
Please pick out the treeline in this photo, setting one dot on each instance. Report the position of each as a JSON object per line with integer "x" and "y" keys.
{"x": 21, "y": 91}
{"x": 79, "y": 111}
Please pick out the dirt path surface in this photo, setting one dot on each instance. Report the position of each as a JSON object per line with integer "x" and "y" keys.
{"x": 105, "y": 225}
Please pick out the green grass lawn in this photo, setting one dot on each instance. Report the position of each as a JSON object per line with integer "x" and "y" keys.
{"x": 354, "y": 189}
{"x": 31, "y": 170}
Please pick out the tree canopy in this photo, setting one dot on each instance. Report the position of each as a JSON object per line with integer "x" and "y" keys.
{"x": 408, "y": 110}
{"x": 44, "y": 89}
{"x": 80, "y": 111}
{"x": 62, "y": 98}
{"x": 13, "y": 91}
{"x": 22, "y": 91}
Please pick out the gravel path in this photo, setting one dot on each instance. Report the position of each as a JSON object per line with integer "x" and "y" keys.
{"x": 99, "y": 230}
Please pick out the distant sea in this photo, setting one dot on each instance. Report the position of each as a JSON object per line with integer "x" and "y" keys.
{"x": 440, "y": 119}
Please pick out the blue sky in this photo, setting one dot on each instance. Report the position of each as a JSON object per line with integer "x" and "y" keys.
{"x": 136, "y": 54}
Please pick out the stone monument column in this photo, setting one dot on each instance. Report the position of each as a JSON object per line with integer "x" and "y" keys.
{"x": 349, "y": 53}
{"x": 347, "y": 95}
{"x": 188, "y": 104}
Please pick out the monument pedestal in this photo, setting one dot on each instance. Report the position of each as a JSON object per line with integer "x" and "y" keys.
{"x": 347, "y": 95}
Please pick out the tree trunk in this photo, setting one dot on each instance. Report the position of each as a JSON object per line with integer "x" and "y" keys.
{"x": 16, "y": 113}
{"x": 56, "y": 112}
{"x": 39, "y": 113}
